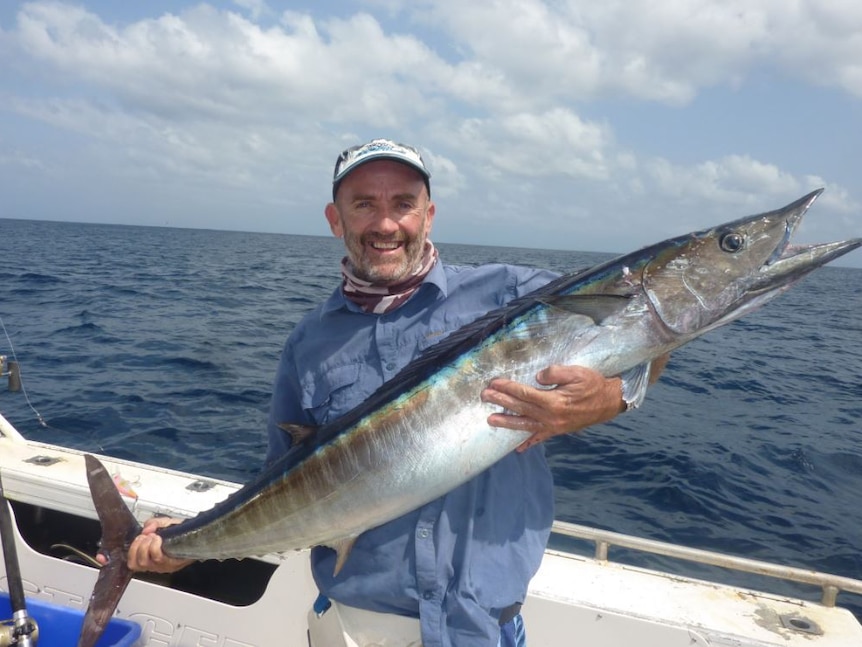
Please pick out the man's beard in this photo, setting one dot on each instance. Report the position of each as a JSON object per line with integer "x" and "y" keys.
{"x": 390, "y": 272}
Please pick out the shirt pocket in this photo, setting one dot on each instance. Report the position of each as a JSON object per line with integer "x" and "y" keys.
{"x": 327, "y": 394}
{"x": 440, "y": 330}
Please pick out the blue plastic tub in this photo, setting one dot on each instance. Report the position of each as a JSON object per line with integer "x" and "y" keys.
{"x": 60, "y": 626}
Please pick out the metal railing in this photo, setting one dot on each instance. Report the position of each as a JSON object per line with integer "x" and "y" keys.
{"x": 830, "y": 585}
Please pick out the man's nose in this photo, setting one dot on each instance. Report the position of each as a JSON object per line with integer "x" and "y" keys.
{"x": 386, "y": 221}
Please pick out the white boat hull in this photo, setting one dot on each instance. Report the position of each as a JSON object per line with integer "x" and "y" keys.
{"x": 574, "y": 599}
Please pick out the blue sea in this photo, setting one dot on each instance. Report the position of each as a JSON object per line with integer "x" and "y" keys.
{"x": 160, "y": 344}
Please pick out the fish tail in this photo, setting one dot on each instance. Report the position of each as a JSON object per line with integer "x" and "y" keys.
{"x": 119, "y": 528}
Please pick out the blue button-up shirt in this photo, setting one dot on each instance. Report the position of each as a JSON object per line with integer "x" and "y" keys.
{"x": 459, "y": 560}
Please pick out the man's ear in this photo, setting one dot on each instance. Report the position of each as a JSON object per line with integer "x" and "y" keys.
{"x": 432, "y": 209}
{"x": 334, "y": 220}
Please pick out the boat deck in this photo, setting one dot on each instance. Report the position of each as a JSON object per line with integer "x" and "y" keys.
{"x": 600, "y": 601}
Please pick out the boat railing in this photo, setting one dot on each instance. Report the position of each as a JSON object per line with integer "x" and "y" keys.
{"x": 830, "y": 585}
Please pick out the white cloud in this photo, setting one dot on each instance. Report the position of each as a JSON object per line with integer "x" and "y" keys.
{"x": 658, "y": 51}
{"x": 741, "y": 181}
{"x": 730, "y": 180}
{"x": 550, "y": 143}
{"x": 508, "y": 97}
{"x": 820, "y": 42}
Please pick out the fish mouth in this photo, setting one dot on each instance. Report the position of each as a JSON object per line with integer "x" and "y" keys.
{"x": 784, "y": 248}
{"x": 788, "y": 262}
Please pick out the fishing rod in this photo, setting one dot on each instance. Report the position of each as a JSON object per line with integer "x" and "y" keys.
{"x": 22, "y": 631}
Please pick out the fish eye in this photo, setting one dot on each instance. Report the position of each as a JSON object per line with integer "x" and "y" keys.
{"x": 732, "y": 242}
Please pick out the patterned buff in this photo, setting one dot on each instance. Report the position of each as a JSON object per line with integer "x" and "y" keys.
{"x": 383, "y": 298}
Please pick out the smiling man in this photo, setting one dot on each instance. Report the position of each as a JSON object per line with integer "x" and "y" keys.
{"x": 460, "y": 564}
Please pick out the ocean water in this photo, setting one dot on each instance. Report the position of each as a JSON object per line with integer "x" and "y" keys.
{"x": 160, "y": 345}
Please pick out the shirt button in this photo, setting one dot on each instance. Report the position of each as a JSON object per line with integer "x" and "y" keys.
{"x": 390, "y": 366}
{"x": 424, "y": 533}
{"x": 427, "y": 595}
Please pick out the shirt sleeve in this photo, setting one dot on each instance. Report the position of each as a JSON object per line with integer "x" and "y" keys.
{"x": 528, "y": 279}
{"x": 286, "y": 405}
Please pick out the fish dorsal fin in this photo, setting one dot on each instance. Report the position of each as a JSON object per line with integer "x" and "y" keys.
{"x": 298, "y": 433}
{"x": 342, "y": 550}
{"x": 635, "y": 383}
{"x": 597, "y": 307}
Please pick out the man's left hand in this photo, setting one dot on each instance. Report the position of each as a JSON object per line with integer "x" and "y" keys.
{"x": 579, "y": 397}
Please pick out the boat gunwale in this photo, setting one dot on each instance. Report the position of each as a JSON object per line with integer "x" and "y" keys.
{"x": 603, "y": 540}
{"x": 831, "y": 585}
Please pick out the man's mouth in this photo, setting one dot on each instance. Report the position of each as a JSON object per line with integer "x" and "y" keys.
{"x": 384, "y": 246}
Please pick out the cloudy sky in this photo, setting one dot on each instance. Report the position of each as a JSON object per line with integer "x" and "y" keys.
{"x": 599, "y": 125}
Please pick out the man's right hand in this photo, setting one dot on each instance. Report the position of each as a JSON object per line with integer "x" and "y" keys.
{"x": 145, "y": 553}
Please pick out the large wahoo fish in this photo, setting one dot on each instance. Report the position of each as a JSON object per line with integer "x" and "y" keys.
{"x": 425, "y": 432}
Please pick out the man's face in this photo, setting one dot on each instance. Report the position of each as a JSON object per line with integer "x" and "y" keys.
{"x": 384, "y": 214}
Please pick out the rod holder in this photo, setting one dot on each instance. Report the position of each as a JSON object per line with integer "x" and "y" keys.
{"x": 14, "y": 377}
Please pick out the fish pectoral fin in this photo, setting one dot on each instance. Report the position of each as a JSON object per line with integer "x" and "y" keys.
{"x": 635, "y": 383}
{"x": 298, "y": 433}
{"x": 342, "y": 550}
{"x": 597, "y": 307}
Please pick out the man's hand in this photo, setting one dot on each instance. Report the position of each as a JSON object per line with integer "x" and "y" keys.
{"x": 145, "y": 553}
{"x": 580, "y": 397}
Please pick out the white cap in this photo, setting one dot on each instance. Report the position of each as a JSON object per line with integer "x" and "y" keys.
{"x": 378, "y": 149}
